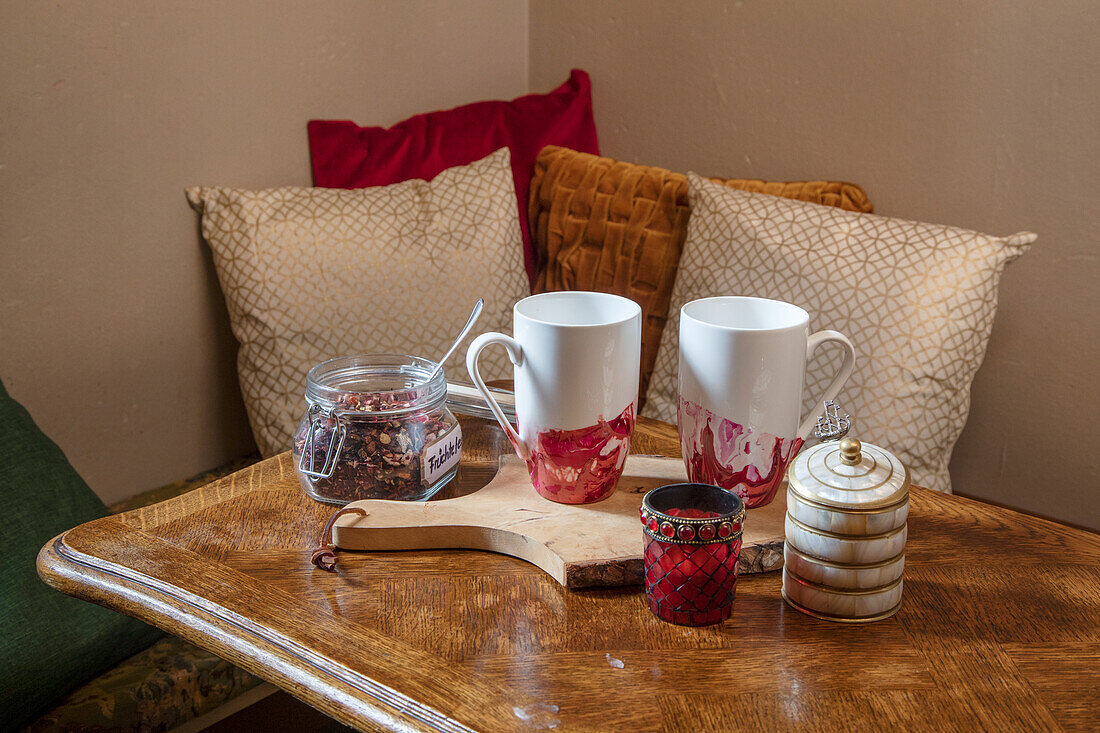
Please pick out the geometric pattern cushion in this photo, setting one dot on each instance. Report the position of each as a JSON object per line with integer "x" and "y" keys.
{"x": 917, "y": 300}
{"x": 309, "y": 274}
{"x": 615, "y": 227}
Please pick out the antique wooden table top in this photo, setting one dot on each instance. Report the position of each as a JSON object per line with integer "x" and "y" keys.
{"x": 999, "y": 628}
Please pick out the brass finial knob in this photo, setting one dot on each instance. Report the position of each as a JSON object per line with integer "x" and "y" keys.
{"x": 850, "y": 451}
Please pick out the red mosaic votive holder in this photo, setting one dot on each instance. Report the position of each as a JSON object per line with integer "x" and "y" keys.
{"x": 692, "y": 542}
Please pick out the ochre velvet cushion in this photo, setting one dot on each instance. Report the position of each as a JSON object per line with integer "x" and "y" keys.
{"x": 346, "y": 155}
{"x": 49, "y": 642}
{"x": 602, "y": 224}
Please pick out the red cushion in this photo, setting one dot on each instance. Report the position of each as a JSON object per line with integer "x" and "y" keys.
{"x": 345, "y": 155}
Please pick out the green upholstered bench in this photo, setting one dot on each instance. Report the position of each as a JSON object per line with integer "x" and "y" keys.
{"x": 170, "y": 684}
{"x": 91, "y": 668}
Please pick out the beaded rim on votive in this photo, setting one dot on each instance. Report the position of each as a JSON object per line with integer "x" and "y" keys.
{"x": 727, "y": 526}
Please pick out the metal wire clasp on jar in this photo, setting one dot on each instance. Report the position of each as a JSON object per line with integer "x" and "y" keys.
{"x": 376, "y": 427}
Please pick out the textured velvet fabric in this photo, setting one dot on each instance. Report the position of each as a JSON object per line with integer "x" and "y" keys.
{"x": 345, "y": 155}
{"x": 602, "y": 224}
{"x": 49, "y": 642}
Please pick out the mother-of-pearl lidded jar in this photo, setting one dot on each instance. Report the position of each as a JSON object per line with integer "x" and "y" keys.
{"x": 842, "y": 576}
{"x": 847, "y": 505}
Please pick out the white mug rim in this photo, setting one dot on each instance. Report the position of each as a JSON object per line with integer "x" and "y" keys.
{"x": 634, "y": 308}
{"x": 801, "y": 318}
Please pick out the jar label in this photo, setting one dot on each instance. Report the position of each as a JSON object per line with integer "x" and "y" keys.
{"x": 441, "y": 455}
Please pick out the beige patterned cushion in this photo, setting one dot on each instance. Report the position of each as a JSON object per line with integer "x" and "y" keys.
{"x": 916, "y": 299}
{"x": 313, "y": 273}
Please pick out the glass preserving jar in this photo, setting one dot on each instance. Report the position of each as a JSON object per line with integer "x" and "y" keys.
{"x": 376, "y": 428}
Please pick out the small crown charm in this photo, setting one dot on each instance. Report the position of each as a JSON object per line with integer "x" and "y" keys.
{"x": 832, "y": 425}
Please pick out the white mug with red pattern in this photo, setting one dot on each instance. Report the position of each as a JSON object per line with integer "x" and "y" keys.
{"x": 576, "y": 357}
{"x": 742, "y": 370}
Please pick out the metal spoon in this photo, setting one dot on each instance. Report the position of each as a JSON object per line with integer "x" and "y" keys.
{"x": 474, "y": 315}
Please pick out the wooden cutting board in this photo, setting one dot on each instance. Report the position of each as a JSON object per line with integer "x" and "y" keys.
{"x": 577, "y": 545}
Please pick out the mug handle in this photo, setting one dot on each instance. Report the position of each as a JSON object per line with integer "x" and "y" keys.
{"x": 515, "y": 353}
{"x": 842, "y": 375}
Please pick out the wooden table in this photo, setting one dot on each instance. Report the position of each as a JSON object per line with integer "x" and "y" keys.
{"x": 1000, "y": 626}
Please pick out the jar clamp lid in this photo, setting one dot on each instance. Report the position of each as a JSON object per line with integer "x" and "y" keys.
{"x": 390, "y": 385}
{"x": 850, "y": 476}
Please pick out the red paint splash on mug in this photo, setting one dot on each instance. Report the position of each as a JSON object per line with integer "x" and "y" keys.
{"x": 581, "y": 466}
{"x": 749, "y": 463}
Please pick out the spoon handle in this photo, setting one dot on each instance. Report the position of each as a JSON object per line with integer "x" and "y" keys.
{"x": 474, "y": 315}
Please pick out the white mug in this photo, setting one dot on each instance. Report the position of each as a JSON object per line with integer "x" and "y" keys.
{"x": 742, "y": 369}
{"x": 576, "y": 358}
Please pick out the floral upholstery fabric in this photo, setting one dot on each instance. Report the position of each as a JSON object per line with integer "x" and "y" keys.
{"x": 157, "y": 689}
{"x": 167, "y": 684}
{"x": 170, "y": 491}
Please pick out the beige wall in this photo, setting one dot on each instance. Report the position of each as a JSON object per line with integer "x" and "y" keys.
{"x": 978, "y": 114}
{"x": 112, "y": 330}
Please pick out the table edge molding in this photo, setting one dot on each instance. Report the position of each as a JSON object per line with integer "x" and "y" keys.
{"x": 64, "y": 568}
